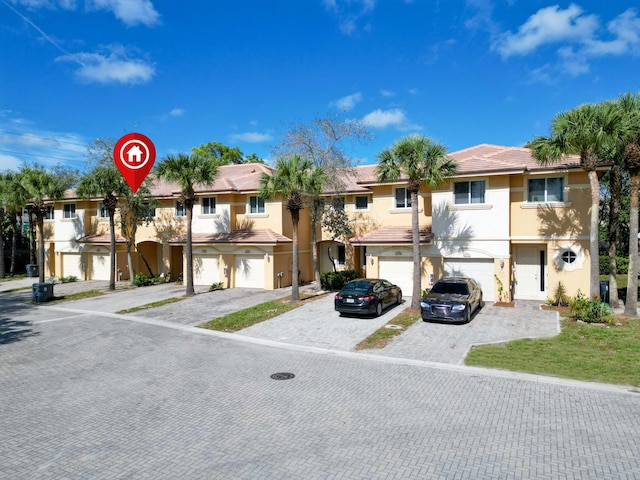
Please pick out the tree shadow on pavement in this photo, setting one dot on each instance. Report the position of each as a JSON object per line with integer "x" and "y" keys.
{"x": 12, "y": 330}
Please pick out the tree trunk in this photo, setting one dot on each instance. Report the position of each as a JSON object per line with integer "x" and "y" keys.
{"x": 130, "y": 263}
{"x": 295, "y": 278}
{"x": 631, "y": 305}
{"x": 189, "y": 252}
{"x": 415, "y": 240}
{"x": 2, "y": 272}
{"x": 615, "y": 186}
{"x": 17, "y": 227}
{"x": 594, "y": 267}
{"x": 32, "y": 239}
{"x": 112, "y": 260}
{"x": 40, "y": 222}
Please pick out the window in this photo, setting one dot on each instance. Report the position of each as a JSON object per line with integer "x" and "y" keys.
{"x": 342, "y": 257}
{"x": 338, "y": 203}
{"x": 403, "y": 198}
{"x": 208, "y": 206}
{"x": 362, "y": 203}
{"x": 48, "y": 214}
{"x": 147, "y": 210}
{"x": 569, "y": 256}
{"x": 180, "y": 210}
{"x": 546, "y": 190}
{"x": 256, "y": 205}
{"x": 468, "y": 192}
{"x": 69, "y": 210}
{"x": 102, "y": 211}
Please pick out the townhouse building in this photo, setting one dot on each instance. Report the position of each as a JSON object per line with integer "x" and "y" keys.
{"x": 517, "y": 227}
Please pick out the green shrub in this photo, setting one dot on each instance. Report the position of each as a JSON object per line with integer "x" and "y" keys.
{"x": 589, "y": 310}
{"x": 560, "y": 297}
{"x": 141, "y": 280}
{"x": 337, "y": 280}
{"x": 622, "y": 265}
{"x": 216, "y": 286}
{"x": 69, "y": 279}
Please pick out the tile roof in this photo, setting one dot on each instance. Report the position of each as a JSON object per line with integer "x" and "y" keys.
{"x": 392, "y": 236}
{"x": 100, "y": 239}
{"x": 250, "y": 236}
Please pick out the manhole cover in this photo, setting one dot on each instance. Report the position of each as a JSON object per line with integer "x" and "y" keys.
{"x": 282, "y": 376}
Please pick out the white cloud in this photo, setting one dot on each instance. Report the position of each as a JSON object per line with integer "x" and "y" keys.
{"x": 9, "y": 162}
{"x": 389, "y": 118}
{"x": 130, "y": 12}
{"x": 347, "y": 103}
{"x": 625, "y": 29}
{"x": 387, "y": 93}
{"x": 547, "y": 26}
{"x": 115, "y": 66}
{"x": 177, "y": 112}
{"x": 251, "y": 137}
{"x": 350, "y": 13}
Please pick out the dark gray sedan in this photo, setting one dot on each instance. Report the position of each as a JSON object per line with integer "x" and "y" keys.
{"x": 452, "y": 299}
{"x": 367, "y": 296}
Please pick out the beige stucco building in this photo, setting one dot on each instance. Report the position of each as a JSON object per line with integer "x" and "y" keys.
{"x": 517, "y": 227}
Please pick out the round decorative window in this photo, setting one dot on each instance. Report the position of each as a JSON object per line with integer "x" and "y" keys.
{"x": 569, "y": 256}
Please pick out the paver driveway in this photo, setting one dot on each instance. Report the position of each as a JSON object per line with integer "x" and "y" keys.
{"x": 86, "y": 394}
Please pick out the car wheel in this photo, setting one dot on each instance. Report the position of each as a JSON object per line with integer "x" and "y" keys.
{"x": 378, "y": 309}
{"x": 481, "y": 304}
{"x": 399, "y": 299}
{"x": 467, "y": 314}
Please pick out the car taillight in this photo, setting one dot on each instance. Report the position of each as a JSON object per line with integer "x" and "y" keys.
{"x": 366, "y": 299}
{"x": 338, "y": 297}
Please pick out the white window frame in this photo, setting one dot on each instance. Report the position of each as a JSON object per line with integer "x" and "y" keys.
{"x": 102, "y": 211}
{"x": 50, "y": 215}
{"x": 206, "y": 206}
{"x": 258, "y": 200}
{"x": 407, "y": 198}
{"x": 355, "y": 203}
{"x": 546, "y": 189}
{"x": 469, "y": 199}
{"x": 69, "y": 211}
{"x": 180, "y": 210}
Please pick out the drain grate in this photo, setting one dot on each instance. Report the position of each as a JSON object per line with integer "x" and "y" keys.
{"x": 282, "y": 376}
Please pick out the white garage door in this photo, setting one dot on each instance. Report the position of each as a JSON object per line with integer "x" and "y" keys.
{"x": 398, "y": 271}
{"x": 481, "y": 270}
{"x": 101, "y": 264}
{"x": 250, "y": 271}
{"x": 72, "y": 265}
{"x": 206, "y": 270}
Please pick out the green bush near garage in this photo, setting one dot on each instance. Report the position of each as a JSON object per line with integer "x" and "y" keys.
{"x": 622, "y": 265}
{"x": 337, "y": 280}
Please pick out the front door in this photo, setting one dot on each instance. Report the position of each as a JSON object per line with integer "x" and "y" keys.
{"x": 530, "y": 273}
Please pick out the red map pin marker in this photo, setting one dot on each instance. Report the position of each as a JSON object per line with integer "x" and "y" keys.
{"x": 134, "y": 155}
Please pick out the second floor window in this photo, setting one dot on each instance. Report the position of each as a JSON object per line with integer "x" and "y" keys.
{"x": 103, "y": 212}
{"x": 403, "y": 198}
{"x": 362, "y": 203}
{"x": 468, "y": 192}
{"x": 546, "y": 190}
{"x": 180, "y": 210}
{"x": 256, "y": 205}
{"x": 48, "y": 213}
{"x": 208, "y": 206}
{"x": 69, "y": 210}
{"x": 147, "y": 210}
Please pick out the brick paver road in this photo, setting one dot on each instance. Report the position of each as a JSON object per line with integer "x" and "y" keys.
{"x": 86, "y": 394}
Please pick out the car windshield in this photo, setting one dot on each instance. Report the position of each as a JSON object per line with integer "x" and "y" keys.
{"x": 449, "y": 287}
{"x": 357, "y": 288}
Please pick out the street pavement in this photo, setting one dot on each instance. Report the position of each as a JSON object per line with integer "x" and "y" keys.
{"x": 88, "y": 393}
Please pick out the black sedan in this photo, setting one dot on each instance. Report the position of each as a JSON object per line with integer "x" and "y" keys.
{"x": 367, "y": 296}
{"x": 452, "y": 299}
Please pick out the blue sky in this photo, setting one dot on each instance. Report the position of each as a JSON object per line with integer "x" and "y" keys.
{"x": 462, "y": 72}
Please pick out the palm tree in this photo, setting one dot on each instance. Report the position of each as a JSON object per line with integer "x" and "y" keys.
{"x": 43, "y": 187}
{"x": 295, "y": 178}
{"x": 105, "y": 181}
{"x": 187, "y": 171}
{"x": 418, "y": 159}
{"x": 588, "y": 131}
{"x": 630, "y": 106}
{"x": 13, "y": 202}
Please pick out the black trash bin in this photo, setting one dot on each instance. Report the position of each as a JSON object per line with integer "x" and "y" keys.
{"x": 32, "y": 270}
{"x": 604, "y": 291}
{"x": 42, "y": 292}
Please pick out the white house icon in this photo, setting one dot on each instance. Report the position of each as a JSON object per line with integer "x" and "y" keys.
{"x": 134, "y": 155}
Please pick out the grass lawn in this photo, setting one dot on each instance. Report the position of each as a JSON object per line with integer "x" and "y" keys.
{"x": 147, "y": 306}
{"x": 607, "y": 354}
{"x": 381, "y": 337}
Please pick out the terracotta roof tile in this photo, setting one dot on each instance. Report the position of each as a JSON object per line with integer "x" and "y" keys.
{"x": 392, "y": 236}
{"x": 250, "y": 236}
{"x": 100, "y": 239}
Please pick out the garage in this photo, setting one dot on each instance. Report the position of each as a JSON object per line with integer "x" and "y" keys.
{"x": 249, "y": 271}
{"x": 72, "y": 265}
{"x": 481, "y": 270}
{"x": 398, "y": 271}
{"x": 100, "y": 266}
{"x": 206, "y": 270}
